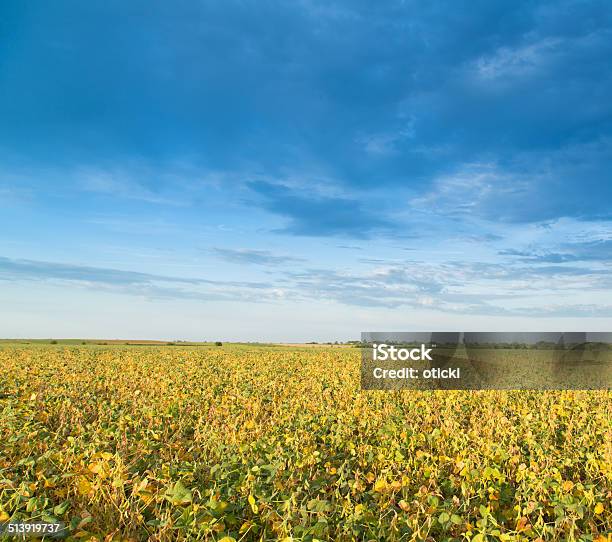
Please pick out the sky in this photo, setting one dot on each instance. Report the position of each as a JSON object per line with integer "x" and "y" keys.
{"x": 308, "y": 170}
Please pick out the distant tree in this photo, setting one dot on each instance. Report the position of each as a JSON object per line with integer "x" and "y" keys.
{"x": 218, "y": 343}
{"x": 53, "y": 341}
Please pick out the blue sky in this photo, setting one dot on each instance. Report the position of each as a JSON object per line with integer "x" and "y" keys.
{"x": 304, "y": 170}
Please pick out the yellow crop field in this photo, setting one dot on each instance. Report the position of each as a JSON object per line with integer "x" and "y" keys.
{"x": 249, "y": 443}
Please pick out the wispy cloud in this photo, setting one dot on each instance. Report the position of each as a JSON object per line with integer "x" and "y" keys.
{"x": 250, "y": 256}
{"x": 123, "y": 184}
{"x": 532, "y": 186}
{"x": 349, "y": 247}
{"x": 313, "y": 215}
{"x": 592, "y": 251}
{"x": 136, "y": 225}
{"x": 525, "y": 60}
{"x": 126, "y": 282}
{"x": 37, "y": 270}
{"x": 387, "y": 143}
{"x": 452, "y": 287}
{"x": 472, "y": 288}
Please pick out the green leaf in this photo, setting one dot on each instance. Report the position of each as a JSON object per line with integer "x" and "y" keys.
{"x": 317, "y": 505}
{"x": 456, "y": 519}
{"x": 179, "y": 494}
{"x": 60, "y": 509}
{"x": 48, "y": 518}
{"x": 432, "y": 500}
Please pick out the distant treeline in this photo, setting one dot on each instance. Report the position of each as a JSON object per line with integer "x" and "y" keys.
{"x": 540, "y": 345}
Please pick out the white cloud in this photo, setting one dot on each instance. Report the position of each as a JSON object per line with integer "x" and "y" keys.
{"x": 121, "y": 184}
{"x": 510, "y": 63}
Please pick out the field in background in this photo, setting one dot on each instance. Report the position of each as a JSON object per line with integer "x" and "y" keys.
{"x": 266, "y": 443}
{"x": 107, "y": 342}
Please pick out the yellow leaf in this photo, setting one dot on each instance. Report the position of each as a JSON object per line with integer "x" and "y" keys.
{"x": 245, "y": 527}
{"x": 84, "y": 486}
{"x": 96, "y": 467}
{"x": 599, "y": 508}
{"x": 3, "y": 516}
{"x": 522, "y": 523}
{"x": 254, "y": 506}
{"x": 221, "y": 506}
{"x": 380, "y": 486}
{"x": 146, "y": 497}
{"x": 140, "y": 486}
